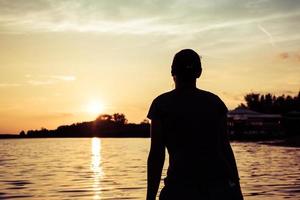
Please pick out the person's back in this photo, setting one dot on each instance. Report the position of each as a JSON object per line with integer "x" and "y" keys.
{"x": 191, "y": 127}
{"x": 189, "y": 122}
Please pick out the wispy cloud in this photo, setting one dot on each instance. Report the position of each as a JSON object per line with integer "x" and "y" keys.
{"x": 152, "y": 25}
{"x": 298, "y": 57}
{"x": 135, "y": 17}
{"x": 6, "y": 85}
{"x": 54, "y": 115}
{"x": 284, "y": 55}
{"x": 293, "y": 56}
{"x": 64, "y": 78}
{"x": 40, "y": 82}
{"x": 271, "y": 39}
{"x": 49, "y": 79}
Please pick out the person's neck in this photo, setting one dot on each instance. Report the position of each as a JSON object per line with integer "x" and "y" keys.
{"x": 185, "y": 85}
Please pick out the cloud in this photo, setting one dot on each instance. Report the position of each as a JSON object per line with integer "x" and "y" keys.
{"x": 64, "y": 78}
{"x": 6, "y": 85}
{"x": 139, "y": 17}
{"x": 239, "y": 97}
{"x": 40, "y": 82}
{"x": 271, "y": 39}
{"x": 298, "y": 56}
{"x": 49, "y": 79}
{"x": 55, "y": 115}
{"x": 284, "y": 55}
{"x": 294, "y": 56}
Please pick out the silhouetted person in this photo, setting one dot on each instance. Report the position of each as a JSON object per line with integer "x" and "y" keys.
{"x": 191, "y": 124}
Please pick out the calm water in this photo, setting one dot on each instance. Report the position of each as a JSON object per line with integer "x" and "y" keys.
{"x": 116, "y": 169}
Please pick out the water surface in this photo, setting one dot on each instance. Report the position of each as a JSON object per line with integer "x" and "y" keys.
{"x": 93, "y": 168}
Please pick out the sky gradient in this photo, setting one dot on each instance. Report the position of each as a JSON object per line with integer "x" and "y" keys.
{"x": 56, "y": 57}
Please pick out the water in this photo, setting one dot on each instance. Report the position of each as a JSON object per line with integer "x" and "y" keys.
{"x": 87, "y": 168}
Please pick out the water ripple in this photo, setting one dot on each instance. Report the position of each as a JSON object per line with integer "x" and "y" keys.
{"x": 86, "y": 168}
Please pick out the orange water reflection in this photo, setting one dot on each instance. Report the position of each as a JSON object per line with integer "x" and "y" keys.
{"x": 115, "y": 168}
{"x": 96, "y": 167}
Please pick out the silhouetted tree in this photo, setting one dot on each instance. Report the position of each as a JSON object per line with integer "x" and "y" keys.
{"x": 252, "y": 101}
{"x": 119, "y": 118}
{"x": 22, "y": 133}
{"x": 272, "y": 104}
{"x": 145, "y": 121}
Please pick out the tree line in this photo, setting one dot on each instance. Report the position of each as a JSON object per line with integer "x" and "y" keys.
{"x": 105, "y": 125}
{"x": 271, "y": 104}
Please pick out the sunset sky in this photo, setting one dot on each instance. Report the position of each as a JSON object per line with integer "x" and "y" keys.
{"x": 65, "y": 61}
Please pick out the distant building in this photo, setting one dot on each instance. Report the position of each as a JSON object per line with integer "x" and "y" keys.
{"x": 291, "y": 123}
{"x": 242, "y": 121}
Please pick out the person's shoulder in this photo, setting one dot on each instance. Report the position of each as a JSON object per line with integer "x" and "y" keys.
{"x": 210, "y": 95}
{"x": 217, "y": 100}
{"x": 164, "y": 96}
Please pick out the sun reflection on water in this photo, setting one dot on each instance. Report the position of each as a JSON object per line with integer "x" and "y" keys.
{"x": 96, "y": 166}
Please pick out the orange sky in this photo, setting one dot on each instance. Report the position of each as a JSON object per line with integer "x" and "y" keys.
{"x": 58, "y": 57}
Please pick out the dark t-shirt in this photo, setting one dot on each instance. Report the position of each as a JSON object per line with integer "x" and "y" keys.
{"x": 192, "y": 132}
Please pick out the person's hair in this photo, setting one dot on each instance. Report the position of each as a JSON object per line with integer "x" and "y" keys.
{"x": 186, "y": 65}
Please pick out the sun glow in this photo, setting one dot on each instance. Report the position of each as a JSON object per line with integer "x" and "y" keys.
{"x": 95, "y": 107}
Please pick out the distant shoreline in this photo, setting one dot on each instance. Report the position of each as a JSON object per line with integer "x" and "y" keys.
{"x": 287, "y": 142}
{"x": 284, "y": 142}
{"x": 13, "y": 136}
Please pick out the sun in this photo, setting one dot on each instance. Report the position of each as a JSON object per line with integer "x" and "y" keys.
{"x": 95, "y": 107}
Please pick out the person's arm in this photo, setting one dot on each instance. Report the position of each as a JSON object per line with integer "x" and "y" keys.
{"x": 229, "y": 156}
{"x": 155, "y": 160}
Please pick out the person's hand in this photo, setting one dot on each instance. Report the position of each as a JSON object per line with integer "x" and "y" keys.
{"x": 150, "y": 198}
{"x": 236, "y": 189}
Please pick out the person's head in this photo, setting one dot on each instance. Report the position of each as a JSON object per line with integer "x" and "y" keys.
{"x": 186, "y": 66}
